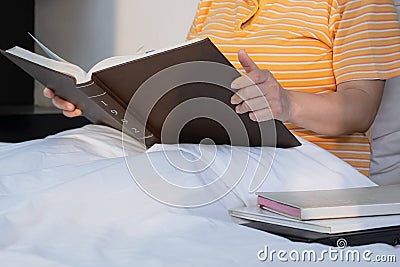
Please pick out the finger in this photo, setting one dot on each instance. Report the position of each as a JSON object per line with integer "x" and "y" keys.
{"x": 71, "y": 114}
{"x": 242, "y": 82}
{"x": 246, "y": 62}
{"x": 255, "y": 77}
{"x": 246, "y": 94}
{"x": 252, "y": 105}
{"x": 249, "y": 66}
{"x": 261, "y": 115}
{"x": 48, "y": 93}
{"x": 62, "y": 104}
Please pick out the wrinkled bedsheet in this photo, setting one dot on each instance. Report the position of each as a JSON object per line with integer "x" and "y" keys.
{"x": 70, "y": 200}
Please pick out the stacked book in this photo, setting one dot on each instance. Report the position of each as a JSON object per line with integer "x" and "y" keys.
{"x": 364, "y": 215}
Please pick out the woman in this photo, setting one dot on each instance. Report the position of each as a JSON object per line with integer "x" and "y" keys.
{"x": 320, "y": 65}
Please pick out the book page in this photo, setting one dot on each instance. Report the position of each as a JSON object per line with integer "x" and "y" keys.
{"x": 118, "y": 60}
{"x": 110, "y": 62}
{"x": 324, "y": 225}
{"x": 48, "y": 52}
{"x": 62, "y": 67}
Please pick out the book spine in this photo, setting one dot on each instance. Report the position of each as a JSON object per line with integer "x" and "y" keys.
{"x": 97, "y": 105}
{"x": 113, "y": 114}
{"x": 279, "y": 207}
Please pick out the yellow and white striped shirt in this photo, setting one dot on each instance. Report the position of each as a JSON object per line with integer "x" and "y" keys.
{"x": 310, "y": 46}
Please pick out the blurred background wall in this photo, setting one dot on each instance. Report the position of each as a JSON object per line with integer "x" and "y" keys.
{"x": 87, "y": 31}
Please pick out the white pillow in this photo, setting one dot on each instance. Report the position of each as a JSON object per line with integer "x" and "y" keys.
{"x": 385, "y": 133}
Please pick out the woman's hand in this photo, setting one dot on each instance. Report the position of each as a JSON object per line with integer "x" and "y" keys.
{"x": 68, "y": 108}
{"x": 352, "y": 108}
{"x": 259, "y": 93}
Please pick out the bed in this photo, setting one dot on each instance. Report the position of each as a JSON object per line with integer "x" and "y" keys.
{"x": 70, "y": 200}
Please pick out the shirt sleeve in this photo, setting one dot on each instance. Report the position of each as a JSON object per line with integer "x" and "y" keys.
{"x": 198, "y": 22}
{"x": 366, "y": 40}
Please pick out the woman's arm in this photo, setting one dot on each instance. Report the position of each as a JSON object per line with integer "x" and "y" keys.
{"x": 351, "y": 109}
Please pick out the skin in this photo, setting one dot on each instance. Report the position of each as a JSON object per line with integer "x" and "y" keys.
{"x": 352, "y": 108}
{"x": 68, "y": 108}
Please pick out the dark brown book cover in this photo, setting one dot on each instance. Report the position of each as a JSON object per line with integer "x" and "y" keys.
{"x": 180, "y": 95}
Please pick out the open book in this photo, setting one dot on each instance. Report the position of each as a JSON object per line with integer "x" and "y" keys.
{"x": 143, "y": 95}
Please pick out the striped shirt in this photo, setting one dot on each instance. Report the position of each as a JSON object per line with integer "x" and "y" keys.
{"x": 310, "y": 46}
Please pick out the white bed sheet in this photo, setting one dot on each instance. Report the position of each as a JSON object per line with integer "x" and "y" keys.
{"x": 69, "y": 200}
